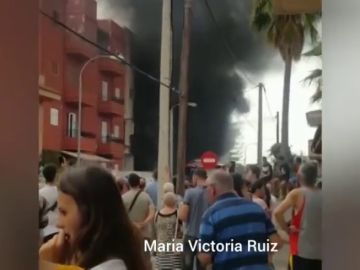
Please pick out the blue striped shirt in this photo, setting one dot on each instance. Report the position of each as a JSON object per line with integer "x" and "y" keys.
{"x": 232, "y": 219}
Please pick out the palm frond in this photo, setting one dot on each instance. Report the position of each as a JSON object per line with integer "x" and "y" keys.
{"x": 316, "y": 51}
{"x": 317, "y": 96}
{"x": 315, "y": 74}
{"x": 262, "y": 15}
{"x": 309, "y": 26}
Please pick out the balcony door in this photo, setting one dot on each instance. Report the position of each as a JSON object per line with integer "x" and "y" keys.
{"x": 72, "y": 125}
{"x": 104, "y": 131}
{"x": 117, "y": 93}
{"x": 104, "y": 91}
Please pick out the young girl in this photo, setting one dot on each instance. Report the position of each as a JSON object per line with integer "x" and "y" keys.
{"x": 95, "y": 231}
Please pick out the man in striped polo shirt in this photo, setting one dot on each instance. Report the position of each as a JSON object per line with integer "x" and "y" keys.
{"x": 235, "y": 234}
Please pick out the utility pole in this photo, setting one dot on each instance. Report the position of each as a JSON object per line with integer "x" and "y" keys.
{"x": 165, "y": 76}
{"x": 277, "y": 128}
{"x": 260, "y": 125}
{"x": 183, "y": 100}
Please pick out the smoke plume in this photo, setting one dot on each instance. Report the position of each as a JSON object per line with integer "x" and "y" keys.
{"x": 214, "y": 85}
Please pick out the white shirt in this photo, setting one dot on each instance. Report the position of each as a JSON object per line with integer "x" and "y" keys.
{"x": 114, "y": 264}
{"x": 50, "y": 193}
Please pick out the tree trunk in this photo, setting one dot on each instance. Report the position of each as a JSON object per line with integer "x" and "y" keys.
{"x": 285, "y": 110}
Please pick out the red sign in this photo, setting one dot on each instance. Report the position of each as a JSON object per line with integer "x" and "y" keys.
{"x": 209, "y": 160}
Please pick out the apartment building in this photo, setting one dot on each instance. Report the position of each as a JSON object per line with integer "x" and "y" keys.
{"x": 106, "y": 101}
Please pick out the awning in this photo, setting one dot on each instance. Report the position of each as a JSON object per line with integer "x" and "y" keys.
{"x": 87, "y": 157}
{"x": 314, "y": 118}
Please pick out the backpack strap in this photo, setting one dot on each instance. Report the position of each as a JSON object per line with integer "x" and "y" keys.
{"x": 134, "y": 201}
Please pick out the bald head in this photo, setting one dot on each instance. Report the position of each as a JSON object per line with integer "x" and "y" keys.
{"x": 221, "y": 180}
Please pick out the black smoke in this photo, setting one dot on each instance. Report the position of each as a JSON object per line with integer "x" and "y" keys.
{"x": 214, "y": 85}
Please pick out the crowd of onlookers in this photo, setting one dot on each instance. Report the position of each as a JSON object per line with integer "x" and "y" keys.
{"x": 91, "y": 219}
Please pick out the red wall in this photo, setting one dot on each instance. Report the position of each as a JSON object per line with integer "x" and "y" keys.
{"x": 52, "y": 136}
{"x": 51, "y": 47}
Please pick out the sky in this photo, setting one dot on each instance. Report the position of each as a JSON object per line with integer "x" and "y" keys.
{"x": 300, "y": 104}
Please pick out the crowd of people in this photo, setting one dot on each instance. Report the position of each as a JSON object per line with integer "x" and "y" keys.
{"x": 90, "y": 219}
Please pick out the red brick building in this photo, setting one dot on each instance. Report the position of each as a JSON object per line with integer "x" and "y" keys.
{"x": 106, "y": 98}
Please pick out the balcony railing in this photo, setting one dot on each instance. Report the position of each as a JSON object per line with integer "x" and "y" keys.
{"x": 71, "y": 96}
{"x": 76, "y": 46}
{"x": 87, "y": 144}
{"x": 110, "y": 139}
{"x": 111, "y": 66}
{"x": 118, "y": 100}
{"x": 111, "y": 147}
{"x": 111, "y": 107}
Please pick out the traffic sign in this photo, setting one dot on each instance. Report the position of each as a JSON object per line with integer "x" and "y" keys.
{"x": 209, "y": 160}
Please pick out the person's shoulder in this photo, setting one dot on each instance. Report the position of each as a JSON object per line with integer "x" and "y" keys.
{"x": 48, "y": 190}
{"x": 190, "y": 192}
{"x": 296, "y": 192}
{"x": 144, "y": 195}
{"x": 126, "y": 195}
{"x": 251, "y": 205}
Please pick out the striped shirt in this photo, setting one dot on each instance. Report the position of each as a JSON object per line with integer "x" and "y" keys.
{"x": 232, "y": 219}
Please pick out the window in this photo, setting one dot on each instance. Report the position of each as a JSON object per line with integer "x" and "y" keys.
{"x": 54, "y": 117}
{"x": 117, "y": 131}
{"x": 104, "y": 91}
{"x": 117, "y": 93}
{"x": 104, "y": 131}
{"x": 72, "y": 125}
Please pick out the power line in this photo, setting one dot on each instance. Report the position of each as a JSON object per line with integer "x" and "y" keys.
{"x": 225, "y": 41}
{"x": 267, "y": 102}
{"x": 250, "y": 124}
{"x": 122, "y": 60}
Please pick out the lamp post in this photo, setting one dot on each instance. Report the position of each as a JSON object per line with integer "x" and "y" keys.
{"x": 80, "y": 99}
{"x": 190, "y": 104}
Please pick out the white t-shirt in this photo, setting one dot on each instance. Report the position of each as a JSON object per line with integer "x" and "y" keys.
{"x": 50, "y": 193}
{"x": 114, "y": 264}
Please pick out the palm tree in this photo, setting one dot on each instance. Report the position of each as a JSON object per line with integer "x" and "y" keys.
{"x": 315, "y": 75}
{"x": 287, "y": 34}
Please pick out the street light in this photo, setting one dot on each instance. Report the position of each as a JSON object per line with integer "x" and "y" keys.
{"x": 190, "y": 104}
{"x": 80, "y": 98}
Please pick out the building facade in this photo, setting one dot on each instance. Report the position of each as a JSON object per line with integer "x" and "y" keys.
{"x": 106, "y": 84}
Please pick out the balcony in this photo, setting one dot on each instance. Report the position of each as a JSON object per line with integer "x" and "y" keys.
{"x": 111, "y": 147}
{"x": 89, "y": 124}
{"x": 71, "y": 96}
{"x": 113, "y": 107}
{"x": 77, "y": 47}
{"x": 88, "y": 145}
{"x": 110, "y": 66}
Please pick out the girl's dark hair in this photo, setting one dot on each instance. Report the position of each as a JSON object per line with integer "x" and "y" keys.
{"x": 106, "y": 230}
{"x": 262, "y": 182}
{"x": 239, "y": 183}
